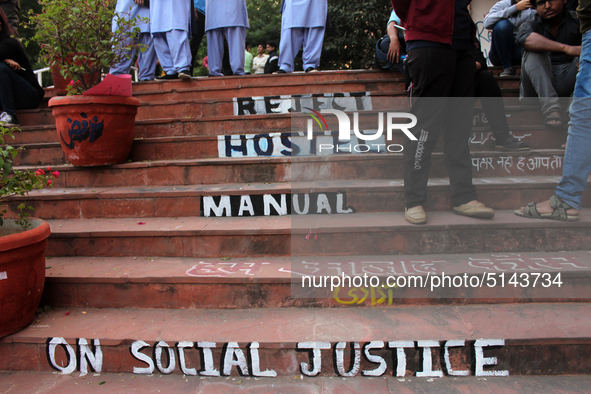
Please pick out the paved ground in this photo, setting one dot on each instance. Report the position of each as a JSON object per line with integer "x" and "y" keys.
{"x": 50, "y": 383}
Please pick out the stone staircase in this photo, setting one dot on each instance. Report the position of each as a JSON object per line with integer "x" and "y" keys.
{"x": 151, "y": 270}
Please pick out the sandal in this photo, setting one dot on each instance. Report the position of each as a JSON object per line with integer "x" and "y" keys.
{"x": 560, "y": 207}
{"x": 551, "y": 116}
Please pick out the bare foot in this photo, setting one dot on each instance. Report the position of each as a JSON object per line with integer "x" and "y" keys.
{"x": 545, "y": 207}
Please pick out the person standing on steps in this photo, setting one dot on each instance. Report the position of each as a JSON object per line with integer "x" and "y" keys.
{"x": 566, "y": 203}
{"x": 487, "y": 89}
{"x": 226, "y": 19}
{"x": 169, "y": 24}
{"x": 146, "y": 60}
{"x": 302, "y": 22}
{"x": 439, "y": 37}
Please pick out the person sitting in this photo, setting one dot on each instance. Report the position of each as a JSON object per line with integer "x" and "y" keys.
{"x": 19, "y": 88}
{"x": 552, "y": 44}
{"x": 566, "y": 203}
{"x": 258, "y": 63}
{"x": 504, "y": 19}
{"x": 272, "y": 64}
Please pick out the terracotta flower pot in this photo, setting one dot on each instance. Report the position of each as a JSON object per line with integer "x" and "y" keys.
{"x": 22, "y": 274}
{"x": 95, "y": 130}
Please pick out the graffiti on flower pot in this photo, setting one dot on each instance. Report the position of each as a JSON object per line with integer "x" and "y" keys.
{"x": 82, "y": 130}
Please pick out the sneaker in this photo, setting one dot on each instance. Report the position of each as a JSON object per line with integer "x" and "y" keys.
{"x": 167, "y": 76}
{"x": 507, "y": 72}
{"x": 415, "y": 215}
{"x": 312, "y": 70}
{"x": 513, "y": 144}
{"x": 184, "y": 75}
{"x": 475, "y": 211}
{"x": 280, "y": 71}
{"x": 7, "y": 120}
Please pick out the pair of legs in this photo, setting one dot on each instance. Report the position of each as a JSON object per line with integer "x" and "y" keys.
{"x": 146, "y": 60}
{"x": 173, "y": 51}
{"x": 577, "y": 161}
{"x": 196, "y": 39}
{"x": 291, "y": 41}
{"x": 487, "y": 89}
{"x": 15, "y": 92}
{"x": 442, "y": 100}
{"x": 504, "y": 51}
{"x": 548, "y": 82}
{"x": 236, "y": 38}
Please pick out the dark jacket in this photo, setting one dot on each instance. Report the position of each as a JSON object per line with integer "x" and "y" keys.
{"x": 272, "y": 64}
{"x": 429, "y": 20}
{"x": 10, "y": 48}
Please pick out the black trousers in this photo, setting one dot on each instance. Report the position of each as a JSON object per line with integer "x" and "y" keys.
{"x": 442, "y": 100}
{"x": 16, "y": 92}
{"x": 487, "y": 89}
{"x": 195, "y": 41}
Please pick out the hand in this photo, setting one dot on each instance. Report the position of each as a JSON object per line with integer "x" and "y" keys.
{"x": 394, "y": 50}
{"x": 196, "y": 15}
{"x": 12, "y": 64}
{"x": 573, "y": 50}
{"x": 523, "y": 5}
{"x": 139, "y": 2}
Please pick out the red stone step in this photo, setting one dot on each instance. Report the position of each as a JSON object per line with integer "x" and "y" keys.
{"x": 51, "y": 383}
{"x": 195, "y": 147}
{"x": 273, "y": 282}
{"x": 358, "y": 195}
{"x": 359, "y": 234}
{"x": 221, "y": 111}
{"x": 483, "y": 340}
{"x": 312, "y": 168}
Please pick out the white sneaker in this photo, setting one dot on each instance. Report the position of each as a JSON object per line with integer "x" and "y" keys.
{"x": 8, "y": 120}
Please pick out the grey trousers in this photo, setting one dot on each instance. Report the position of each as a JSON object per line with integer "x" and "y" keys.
{"x": 11, "y": 9}
{"x": 539, "y": 78}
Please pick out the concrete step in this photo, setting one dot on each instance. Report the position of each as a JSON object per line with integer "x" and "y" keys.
{"x": 278, "y": 282}
{"x": 378, "y": 233}
{"x": 342, "y": 196}
{"x": 342, "y": 166}
{"x": 52, "y": 383}
{"x": 482, "y": 340}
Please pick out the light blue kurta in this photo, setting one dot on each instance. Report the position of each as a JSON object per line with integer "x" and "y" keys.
{"x": 167, "y": 15}
{"x": 129, "y": 10}
{"x": 303, "y": 13}
{"x": 225, "y": 13}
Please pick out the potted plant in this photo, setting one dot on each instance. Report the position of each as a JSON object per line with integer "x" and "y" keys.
{"x": 77, "y": 37}
{"x": 22, "y": 243}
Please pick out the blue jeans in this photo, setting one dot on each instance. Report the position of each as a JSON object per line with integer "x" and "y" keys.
{"x": 504, "y": 51}
{"x": 577, "y": 160}
{"x": 15, "y": 92}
